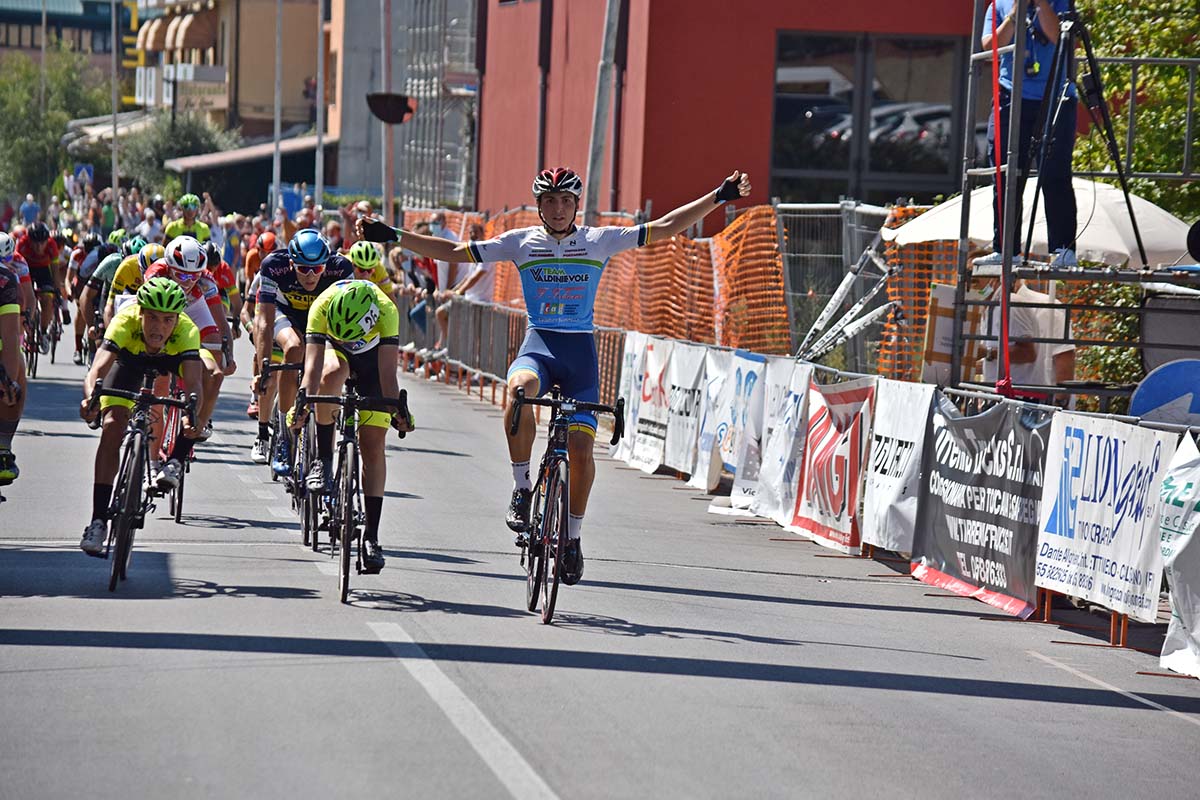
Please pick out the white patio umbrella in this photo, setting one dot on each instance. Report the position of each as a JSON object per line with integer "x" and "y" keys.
{"x": 1104, "y": 233}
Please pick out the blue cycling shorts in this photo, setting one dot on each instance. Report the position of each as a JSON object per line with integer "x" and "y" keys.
{"x": 568, "y": 360}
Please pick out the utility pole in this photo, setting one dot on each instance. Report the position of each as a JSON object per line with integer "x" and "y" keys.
{"x": 42, "y": 100}
{"x": 116, "y": 181}
{"x": 612, "y": 16}
{"x": 319, "y": 167}
{"x": 389, "y": 145}
{"x": 277, "y": 200}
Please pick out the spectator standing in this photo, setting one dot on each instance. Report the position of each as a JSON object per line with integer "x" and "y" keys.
{"x": 30, "y": 210}
{"x": 446, "y": 273}
{"x": 1042, "y": 33}
{"x": 149, "y": 228}
{"x": 53, "y": 211}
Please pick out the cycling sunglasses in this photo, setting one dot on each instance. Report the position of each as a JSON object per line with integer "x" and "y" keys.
{"x": 184, "y": 277}
{"x": 309, "y": 269}
{"x": 189, "y": 206}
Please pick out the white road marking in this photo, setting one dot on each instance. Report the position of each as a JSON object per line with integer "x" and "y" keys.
{"x": 497, "y": 752}
{"x": 264, "y": 494}
{"x": 281, "y": 513}
{"x": 232, "y": 465}
{"x": 327, "y": 567}
{"x": 247, "y": 478}
{"x": 1097, "y": 682}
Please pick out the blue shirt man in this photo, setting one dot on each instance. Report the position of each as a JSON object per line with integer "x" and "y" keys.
{"x": 30, "y": 210}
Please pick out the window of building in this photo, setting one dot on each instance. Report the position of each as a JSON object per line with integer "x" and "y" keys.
{"x": 903, "y": 137}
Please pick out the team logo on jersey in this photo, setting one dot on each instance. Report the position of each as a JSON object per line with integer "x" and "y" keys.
{"x": 551, "y": 309}
{"x": 558, "y": 275}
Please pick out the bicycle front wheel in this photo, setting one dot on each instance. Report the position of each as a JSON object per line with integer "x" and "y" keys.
{"x": 31, "y": 348}
{"x": 554, "y": 524}
{"x": 347, "y": 489}
{"x": 127, "y": 505}
{"x": 535, "y": 550}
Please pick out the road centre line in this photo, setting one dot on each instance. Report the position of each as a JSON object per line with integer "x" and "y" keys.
{"x": 1097, "y": 682}
{"x": 508, "y": 765}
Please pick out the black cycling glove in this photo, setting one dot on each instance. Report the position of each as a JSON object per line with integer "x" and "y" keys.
{"x": 728, "y": 190}
{"x": 377, "y": 231}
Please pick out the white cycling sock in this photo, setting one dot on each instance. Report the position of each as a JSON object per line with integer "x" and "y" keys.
{"x": 574, "y": 523}
{"x": 521, "y": 475}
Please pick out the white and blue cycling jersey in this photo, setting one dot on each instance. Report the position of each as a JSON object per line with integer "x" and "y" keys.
{"x": 560, "y": 277}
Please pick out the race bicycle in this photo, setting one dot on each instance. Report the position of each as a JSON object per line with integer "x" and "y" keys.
{"x": 173, "y": 417}
{"x": 542, "y": 550}
{"x": 132, "y": 500}
{"x": 343, "y": 507}
{"x": 301, "y": 453}
{"x": 30, "y": 340}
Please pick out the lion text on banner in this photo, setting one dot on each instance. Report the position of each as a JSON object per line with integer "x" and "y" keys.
{"x": 981, "y": 489}
{"x": 759, "y": 423}
{"x": 708, "y": 459}
{"x": 650, "y": 437}
{"x": 835, "y": 451}
{"x": 630, "y": 389}
{"x": 685, "y": 393}
{"x": 893, "y": 483}
{"x": 1098, "y": 532}
{"x": 1179, "y": 519}
{"x": 783, "y": 453}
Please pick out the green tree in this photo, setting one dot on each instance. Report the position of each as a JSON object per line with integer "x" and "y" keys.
{"x": 31, "y": 156}
{"x": 1147, "y": 28}
{"x": 143, "y": 152}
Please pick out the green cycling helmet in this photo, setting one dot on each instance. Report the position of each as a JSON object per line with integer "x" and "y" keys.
{"x": 133, "y": 246}
{"x": 364, "y": 255}
{"x": 189, "y": 201}
{"x": 162, "y": 294}
{"x": 353, "y": 311}
{"x": 117, "y": 237}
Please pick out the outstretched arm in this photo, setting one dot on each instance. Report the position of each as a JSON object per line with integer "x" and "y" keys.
{"x": 435, "y": 247}
{"x": 673, "y": 222}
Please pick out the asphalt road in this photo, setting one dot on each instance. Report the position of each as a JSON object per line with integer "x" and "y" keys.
{"x": 699, "y": 657}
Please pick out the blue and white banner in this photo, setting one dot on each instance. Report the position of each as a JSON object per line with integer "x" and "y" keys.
{"x": 783, "y": 450}
{"x": 1181, "y": 558}
{"x": 631, "y": 390}
{"x": 1098, "y": 530}
{"x": 708, "y": 458}
{"x": 759, "y": 424}
{"x": 740, "y": 407}
{"x": 685, "y": 404}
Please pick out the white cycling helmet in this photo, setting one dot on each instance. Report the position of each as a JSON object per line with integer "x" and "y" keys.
{"x": 186, "y": 254}
{"x": 7, "y": 247}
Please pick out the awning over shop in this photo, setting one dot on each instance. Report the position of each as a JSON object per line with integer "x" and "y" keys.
{"x": 173, "y": 31}
{"x": 197, "y": 31}
{"x": 155, "y": 32}
{"x": 83, "y": 134}
{"x": 243, "y": 155}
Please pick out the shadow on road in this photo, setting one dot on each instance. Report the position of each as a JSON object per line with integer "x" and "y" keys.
{"x": 430, "y": 555}
{"x": 399, "y": 601}
{"x": 227, "y": 523}
{"x": 595, "y": 660}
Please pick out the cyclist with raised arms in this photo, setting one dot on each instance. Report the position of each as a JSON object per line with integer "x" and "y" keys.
{"x": 188, "y": 225}
{"x": 291, "y": 280}
{"x": 361, "y": 326}
{"x": 12, "y": 371}
{"x": 560, "y": 265}
{"x": 152, "y": 334}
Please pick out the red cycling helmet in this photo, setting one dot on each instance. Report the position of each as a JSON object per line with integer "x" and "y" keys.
{"x": 561, "y": 179}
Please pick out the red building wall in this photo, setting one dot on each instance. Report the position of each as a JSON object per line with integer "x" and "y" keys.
{"x": 699, "y": 91}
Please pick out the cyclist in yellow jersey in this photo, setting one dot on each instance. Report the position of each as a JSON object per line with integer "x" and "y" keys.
{"x": 361, "y": 326}
{"x": 368, "y": 266}
{"x": 150, "y": 335}
{"x": 189, "y": 205}
{"x": 128, "y": 278}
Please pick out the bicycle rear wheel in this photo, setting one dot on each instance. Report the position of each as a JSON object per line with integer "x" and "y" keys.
{"x": 534, "y": 550}
{"x": 55, "y": 333}
{"x": 127, "y": 506}
{"x": 31, "y": 346}
{"x": 347, "y": 489}
{"x": 177, "y": 492}
{"x": 554, "y": 523}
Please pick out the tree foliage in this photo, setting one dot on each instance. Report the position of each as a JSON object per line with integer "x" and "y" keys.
{"x": 1148, "y": 28}
{"x": 31, "y": 156}
{"x": 143, "y": 152}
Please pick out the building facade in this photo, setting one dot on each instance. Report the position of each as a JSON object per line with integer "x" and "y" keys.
{"x": 83, "y": 25}
{"x": 707, "y": 86}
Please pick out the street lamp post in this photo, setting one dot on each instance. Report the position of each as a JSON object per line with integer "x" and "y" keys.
{"x": 276, "y": 177}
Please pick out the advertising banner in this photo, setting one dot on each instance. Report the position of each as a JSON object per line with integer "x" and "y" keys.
{"x": 977, "y": 516}
{"x": 1179, "y": 519}
{"x": 707, "y": 473}
{"x": 837, "y": 440}
{"x": 685, "y": 392}
{"x": 1098, "y": 531}
{"x": 650, "y": 437}
{"x": 893, "y": 482}
{"x": 631, "y": 390}
{"x": 783, "y": 453}
{"x": 740, "y": 406}
{"x": 774, "y": 386}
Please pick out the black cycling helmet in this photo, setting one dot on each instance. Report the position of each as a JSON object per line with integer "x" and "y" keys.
{"x": 212, "y": 254}
{"x": 91, "y": 242}
{"x": 39, "y": 232}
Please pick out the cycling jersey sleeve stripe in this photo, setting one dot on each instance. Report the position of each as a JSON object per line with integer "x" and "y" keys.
{"x": 14, "y": 308}
{"x": 644, "y": 236}
{"x": 473, "y": 251}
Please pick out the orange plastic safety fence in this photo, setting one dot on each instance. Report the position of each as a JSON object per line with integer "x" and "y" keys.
{"x": 902, "y": 344}
{"x": 750, "y": 310}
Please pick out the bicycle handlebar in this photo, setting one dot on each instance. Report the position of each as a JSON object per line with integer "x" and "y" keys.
{"x": 188, "y": 405}
{"x": 355, "y": 402}
{"x": 268, "y": 368}
{"x": 617, "y": 411}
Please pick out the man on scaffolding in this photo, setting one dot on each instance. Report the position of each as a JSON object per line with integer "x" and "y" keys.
{"x": 1041, "y": 35}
